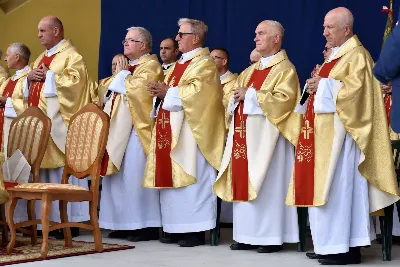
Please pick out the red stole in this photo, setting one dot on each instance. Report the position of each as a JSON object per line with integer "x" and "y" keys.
{"x": 388, "y": 105}
{"x": 35, "y": 87}
{"x": 240, "y": 174}
{"x": 8, "y": 91}
{"x": 163, "y": 171}
{"x": 305, "y": 150}
{"x": 106, "y": 157}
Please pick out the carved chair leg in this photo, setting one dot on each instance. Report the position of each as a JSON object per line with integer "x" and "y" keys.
{"x": 94, "y": 220}
{"x": 12, "y": 203}
{"x": 32, "y": 216}
{"x": 64, "y": 219}
{"x": 46, "y": 208}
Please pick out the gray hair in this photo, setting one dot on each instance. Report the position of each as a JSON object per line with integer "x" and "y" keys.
{"x": 278, "y": 28}
{"x": 22, "y": 50}
{"x": 197, "y": 27}
{"x": 346, "y": 18}
{"x": 145, "y": 36}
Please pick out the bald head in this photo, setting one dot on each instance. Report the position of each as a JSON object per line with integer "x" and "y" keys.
{"x": 51, "y": 31}
{"x": 254, "y": 56}
{"x": 338, "y": 26}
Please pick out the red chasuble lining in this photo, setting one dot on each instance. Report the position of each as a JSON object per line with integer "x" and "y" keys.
{"x": 106, "y": 157}
{"x": 36, "y": 88}
{"x": 240, "y": 174}
{"x": 305, "y": 151}
{"x": 388, "y": 106}
{"x": 163, "y": 171}
{"x": 8, "y": 91}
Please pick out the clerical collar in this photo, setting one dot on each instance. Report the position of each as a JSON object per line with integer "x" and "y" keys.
{"x": 18, "y": 72}
{"x": 266, "y": 60}
{"x": 135, "y": 62}
{"x": 223, "y": 76}
{"x": 52, "y": 50}
{"x": 187, "y": 55}
{"x": 166, "y": 66}
{"x": 335, "y": 50}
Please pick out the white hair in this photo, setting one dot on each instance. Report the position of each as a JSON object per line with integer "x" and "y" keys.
{"x": 22, "y": 50}
{"x": 197, "y": 27}
{"x": 145, "y": 36}
{"x": 278, "y": 28}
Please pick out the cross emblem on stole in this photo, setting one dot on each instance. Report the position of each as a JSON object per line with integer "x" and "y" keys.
{"x": 307, "y": 130}
{"x": 241, "y": 129}
{"x": 163, "y": 121}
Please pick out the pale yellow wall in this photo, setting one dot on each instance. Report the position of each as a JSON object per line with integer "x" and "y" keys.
{"x": 81, "y": 19}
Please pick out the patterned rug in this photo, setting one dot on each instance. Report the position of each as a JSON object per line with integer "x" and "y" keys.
{"x": 23, "y": 251}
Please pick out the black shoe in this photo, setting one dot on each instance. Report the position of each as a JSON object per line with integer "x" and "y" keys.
{"x": 146, "y": 234}
{"x": 170, "y": 238}
{"x": 313, "y": 256}
{"x": 51, "y": 233}
{"x": 241, "y": 246}
{"x": 351, "y": 257}
{"x": 122, "y": 234}
{"x": 59, "y": 235}
{"x": 269, "y": 249}
{"x": 193, "y": 240}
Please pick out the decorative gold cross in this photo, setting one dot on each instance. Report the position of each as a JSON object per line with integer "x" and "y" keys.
{"x": 241, "y": 129}
{"x": 163, "y": 121}
{"x": 307, "y": 130}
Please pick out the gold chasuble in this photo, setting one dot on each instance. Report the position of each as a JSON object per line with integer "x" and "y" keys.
{"x": 252, "y": 139}
{"x": 360, "y": 112}
{"x": 70, "y": 76}
{"x": 13, "y": 89}
{"x": 172, "y": 158}
{"x": 227, "y": 88}
{"x": 3, "y": 75}
{"x": 132, "y": 110}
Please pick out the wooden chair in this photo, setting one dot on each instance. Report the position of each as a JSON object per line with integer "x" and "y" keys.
{"x": 386, "y": 222}
{"x": 85, "y": 146}
{"x": 27, "y": 133}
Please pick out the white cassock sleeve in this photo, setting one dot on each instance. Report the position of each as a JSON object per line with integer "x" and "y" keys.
{"x": 9, "y": 110}
{"x": 26, "y": 89}
{"x": 154, "y": 111}
{"x": 172, "y": 100}
{"x": 251, "y": 105}
{"x": 325, "y": 98}
{"x": 118, "y": 83}
{"x": 232, "y": 106}
{"x": 50, "y": 88}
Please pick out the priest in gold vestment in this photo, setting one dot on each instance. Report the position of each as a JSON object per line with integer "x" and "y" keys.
{"x": 12, "y": 104}
{"x": 133, "y": 211}
{"x": 58, "y": 86}
{"x": 188, "y": 139}
{"x": 344, "y": 166}
{"x": 259, "y": 152}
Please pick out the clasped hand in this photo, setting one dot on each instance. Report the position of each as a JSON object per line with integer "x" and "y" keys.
{"x": 312, "y": 84}
{"x": 157, "y": 89}
{"x": 239, "y": 94}
{"x": 38, "y": 74}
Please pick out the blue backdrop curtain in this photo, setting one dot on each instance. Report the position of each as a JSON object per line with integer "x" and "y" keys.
{"x": 232, "y": 24}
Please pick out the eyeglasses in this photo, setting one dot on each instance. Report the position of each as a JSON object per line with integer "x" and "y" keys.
{"x": 131, "y": 41}
{"x": 181, "y": 34}
{"x": 214, "y": 57}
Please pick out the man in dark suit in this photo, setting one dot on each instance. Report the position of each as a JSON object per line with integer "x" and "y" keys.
{"x": 387, "y": 71}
